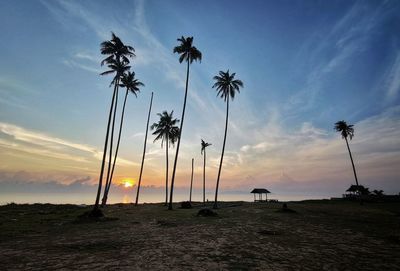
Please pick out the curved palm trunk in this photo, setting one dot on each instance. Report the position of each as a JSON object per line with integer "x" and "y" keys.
{"x": 96, "y": 204}
{"x": 144, "y": 152}
{"x": 112, "y": 139}
{"x": 166, "y": 173}
{"x": 191, "y": 182}
{"x": 204, "y": 178}
{"x": 179, "y": 140}
{"x": 222, "y": 155}
{"x": 352, "y": 163}
{"x": 108, "y": 185}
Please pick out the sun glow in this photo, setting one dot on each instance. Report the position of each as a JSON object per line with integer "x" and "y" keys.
{"x": 128, "y": 183}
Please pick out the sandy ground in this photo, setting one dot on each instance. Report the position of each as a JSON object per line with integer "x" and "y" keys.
{"x": 244, "y": 236}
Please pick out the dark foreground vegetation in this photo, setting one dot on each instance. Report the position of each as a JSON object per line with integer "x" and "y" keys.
{"x": 315, "y": 235}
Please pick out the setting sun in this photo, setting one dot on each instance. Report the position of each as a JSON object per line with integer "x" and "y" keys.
{"x": 127, "y": 183}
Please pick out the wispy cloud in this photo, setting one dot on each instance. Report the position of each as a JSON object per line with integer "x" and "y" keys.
{"x": 393, "y": 79}
{"x": 46, "y": 145}
{"x": 13, "y": 92}
{"x": 75, "y": 64}
{"x": 312, "y": 154}
{"x": 334, "y": 51}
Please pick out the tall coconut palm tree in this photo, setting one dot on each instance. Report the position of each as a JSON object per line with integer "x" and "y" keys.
{"x": 347, "y": 131}
{"x": 226, "y": 86}
{"x": 119, "y": 68}
{"x": 191, "y": 182}
{"x": 132, "y": 85}
{"x": 166, "y": 131}
{"x": 188, "y": 53}
{"x": 144, "y": 152}
{"x": 204, "y": 145}
{"x": 115, "y": 50}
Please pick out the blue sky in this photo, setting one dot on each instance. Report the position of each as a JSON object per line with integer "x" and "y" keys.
{"x": 304, "y": 64}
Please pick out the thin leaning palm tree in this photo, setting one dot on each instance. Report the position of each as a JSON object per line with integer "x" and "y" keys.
{"x": 204, "y": 145}
{"x": 226, "y": 86}
{"x": 166, "y": 131}
{"x": 115, "y": 50}
{"x": 188, "y": 53}
{"x": 144, "y": 152}
{"x": 132, "y": 85}
{"x": 347, "y": 131}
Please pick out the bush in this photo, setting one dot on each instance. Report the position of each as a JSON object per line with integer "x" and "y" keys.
{"x": 206, "y": 212}
{"x": 186, "y": 205}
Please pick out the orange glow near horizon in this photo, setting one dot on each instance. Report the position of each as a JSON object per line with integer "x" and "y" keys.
{"x": 128, "y": 182}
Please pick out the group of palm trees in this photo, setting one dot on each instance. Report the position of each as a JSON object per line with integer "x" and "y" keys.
{"x": 117, "y": 59}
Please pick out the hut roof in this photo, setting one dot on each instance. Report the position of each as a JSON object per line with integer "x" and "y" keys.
{"x": 260, "y": 190}
{"x": 355, "y": 188}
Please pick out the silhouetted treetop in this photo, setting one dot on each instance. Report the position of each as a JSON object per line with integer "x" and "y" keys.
{"x": 165, "y": 128}
{"x": 204, "y": 145}
{"x": 117, "y": 67}
{"x": 227, "y": 85}
{"x": 187, "y": 51}
{"x": 116, "y": 48}
{"x": 344, "y": 129}
{"x": 131, "y": 84}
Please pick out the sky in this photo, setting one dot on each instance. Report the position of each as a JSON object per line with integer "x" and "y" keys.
{"x": 305, "y": 65}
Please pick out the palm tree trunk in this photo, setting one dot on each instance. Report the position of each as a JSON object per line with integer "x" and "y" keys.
{"x": 144, "y": 151}
{"x": 96, "y": 204}
{"x": 204, "y": 178}
{"x": 112, "y": 139}
{"x": 352, "y": 163}
{"x": 166, "y": 173}
{"x": 191, "y": 182}
{"x": 107, "y": 188}
{"x": 222, "y": 155}
{"x": 179, "y": 140}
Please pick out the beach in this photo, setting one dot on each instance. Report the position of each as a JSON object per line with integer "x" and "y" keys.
{"x": 317, "y": 235}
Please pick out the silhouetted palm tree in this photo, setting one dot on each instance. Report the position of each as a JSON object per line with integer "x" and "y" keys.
{"x": 188, "y": 53}
{"x": 347, "y": 131}
{"x": 144, "y": 152}
{"x": 132, "y": 85}
{"x": 166, "y": 130}
{"x": 191, "y": 182}
{"x": 204, "y": 145}
{"x": 226, "y": 86}
{"x": 119, "y": 68}
{"x": 115, "y": 50}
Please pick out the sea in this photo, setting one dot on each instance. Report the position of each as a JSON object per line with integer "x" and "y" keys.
{"x": 130, "y": 196}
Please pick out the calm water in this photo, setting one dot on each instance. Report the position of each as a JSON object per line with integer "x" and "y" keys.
{"x": 128, "y": 197}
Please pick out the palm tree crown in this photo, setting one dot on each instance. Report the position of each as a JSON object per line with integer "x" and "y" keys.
{"x": 344, "y": 129}
{"x": 227, "y": 85}
{"x": 204, "y": 145}
{"x": 165, "y": 128}
{"x": 116, "y": 48}
{"x": 131, "y": 84}
{"x": 187, "y": 51}
{"x": 118, "y": 67}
